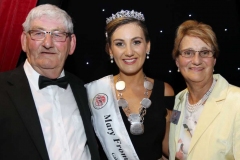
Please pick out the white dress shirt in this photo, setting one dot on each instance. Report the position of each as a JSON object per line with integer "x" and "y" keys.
{"x": 60, "y": 119}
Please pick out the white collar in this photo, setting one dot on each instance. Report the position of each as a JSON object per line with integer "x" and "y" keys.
{"x": 33, "y": 75}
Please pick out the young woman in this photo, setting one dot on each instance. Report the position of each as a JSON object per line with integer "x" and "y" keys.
{"x": 130, "y": 108}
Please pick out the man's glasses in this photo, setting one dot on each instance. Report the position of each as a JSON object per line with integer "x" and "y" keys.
{"x": 189, "y": 53}
{"x": 57, "y": 36}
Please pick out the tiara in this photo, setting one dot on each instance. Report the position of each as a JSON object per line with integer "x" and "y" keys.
{"x": 126, "y": 13}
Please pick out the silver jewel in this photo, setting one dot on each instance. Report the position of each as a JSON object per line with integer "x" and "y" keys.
{"x": 146, "y": 102}
{"x": 134, "y": 117}
{"x": 106, "y": 34}
{"x": 120, "y": 85}
{"x": 111, "y": 58}
{"x": 122, "y": 102}
{"x": 136, "y": 120}
{"x": 147, "y": 55}
{"x": 137, "y": 126}
{"x": 148, "y": 85}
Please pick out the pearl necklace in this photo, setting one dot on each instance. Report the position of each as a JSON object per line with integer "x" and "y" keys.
{"x": 135, "y": 119}
{"x": 193, "y": 107}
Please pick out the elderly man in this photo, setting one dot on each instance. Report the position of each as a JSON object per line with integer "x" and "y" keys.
{"x": 44, "y": 112}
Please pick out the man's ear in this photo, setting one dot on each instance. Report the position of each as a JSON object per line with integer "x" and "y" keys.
{"x": 24, "y": 41}
{"x": 73, "y": 44}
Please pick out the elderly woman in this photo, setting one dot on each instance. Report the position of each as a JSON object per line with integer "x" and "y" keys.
{"x": 205, "y": 122}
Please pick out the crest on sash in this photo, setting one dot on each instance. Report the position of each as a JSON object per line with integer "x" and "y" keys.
{"x": 100, "y": 100}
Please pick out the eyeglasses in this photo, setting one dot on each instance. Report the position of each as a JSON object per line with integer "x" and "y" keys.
{"x": 57, "y": 36}
{"x": 189, "y": 53}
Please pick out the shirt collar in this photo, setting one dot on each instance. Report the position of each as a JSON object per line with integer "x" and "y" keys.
{"x": 33, "y": 75}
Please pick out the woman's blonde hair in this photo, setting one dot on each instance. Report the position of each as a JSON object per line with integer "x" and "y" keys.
{"x": 195, "y": 29}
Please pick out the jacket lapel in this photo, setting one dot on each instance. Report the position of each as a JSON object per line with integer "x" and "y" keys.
{"x": 180, "y": 105}
{"x": 80, "y": 95}
{"x": 212, "y": 109}
{"x": 21, "y": 95}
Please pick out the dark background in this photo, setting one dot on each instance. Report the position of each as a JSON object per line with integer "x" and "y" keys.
{"x": 89, "y": 26}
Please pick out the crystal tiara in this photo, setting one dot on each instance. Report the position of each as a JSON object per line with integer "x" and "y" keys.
{"x": 126, "y": 13}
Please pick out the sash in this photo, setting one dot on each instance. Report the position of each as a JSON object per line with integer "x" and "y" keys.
{"x": 107, "y": 120}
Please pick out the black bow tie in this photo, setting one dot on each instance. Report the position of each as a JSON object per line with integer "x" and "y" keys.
{"x": 44, "y": 82}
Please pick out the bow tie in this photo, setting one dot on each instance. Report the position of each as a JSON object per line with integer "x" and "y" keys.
{"x": 44, "y": 82}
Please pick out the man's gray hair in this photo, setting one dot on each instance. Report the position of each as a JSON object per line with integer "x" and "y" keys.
{"x": 51, "y": 11}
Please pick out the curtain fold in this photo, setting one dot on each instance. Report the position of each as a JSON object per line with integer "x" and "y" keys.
{"x": 12, "y": 15}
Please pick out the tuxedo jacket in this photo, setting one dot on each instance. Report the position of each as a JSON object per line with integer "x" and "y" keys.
{"x": 217, "y": 134}
{"x": 21, "y": 136}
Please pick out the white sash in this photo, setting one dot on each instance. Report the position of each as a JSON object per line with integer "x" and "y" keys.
{"x": 107, "y": 120}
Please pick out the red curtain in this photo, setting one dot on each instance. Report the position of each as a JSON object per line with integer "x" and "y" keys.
{"x": 12, "y": 15}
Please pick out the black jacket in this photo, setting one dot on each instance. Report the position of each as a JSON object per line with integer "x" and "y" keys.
{"x": 21, "y": 135}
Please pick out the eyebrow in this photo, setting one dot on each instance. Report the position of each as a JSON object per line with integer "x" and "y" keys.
{"x": 195, "y": 50}
{"x": 131, "y": 39}
{"x": 43, "y": 29}
{"x": 138, "y": 38}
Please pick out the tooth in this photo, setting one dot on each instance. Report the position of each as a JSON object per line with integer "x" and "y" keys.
{"x": 129, "y": 60}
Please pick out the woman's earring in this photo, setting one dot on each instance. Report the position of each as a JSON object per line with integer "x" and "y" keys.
{"x": 178, "y": 70}
{"x": 148, "y": 55}
{"x": 111, "y": 57}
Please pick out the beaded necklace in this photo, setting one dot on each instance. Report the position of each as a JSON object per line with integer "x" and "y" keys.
{"x": 135, "y": 119}
{"x": 193, "y": 107}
